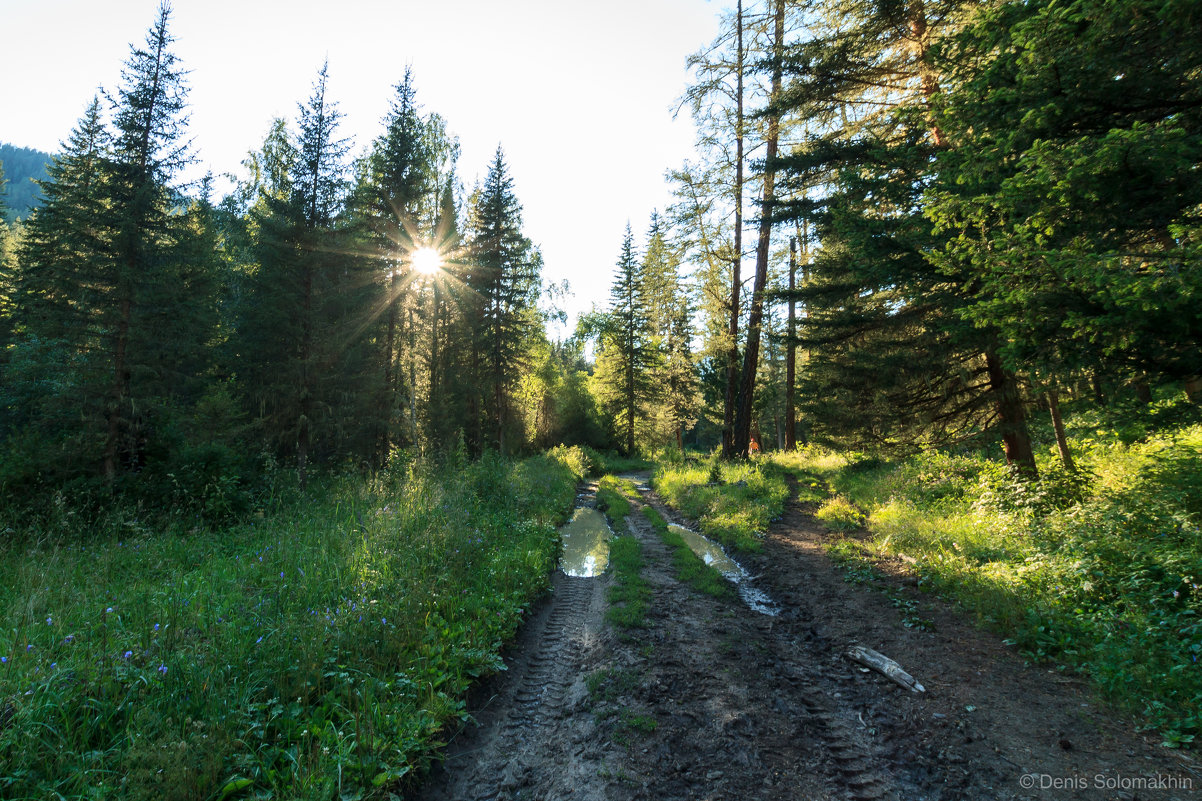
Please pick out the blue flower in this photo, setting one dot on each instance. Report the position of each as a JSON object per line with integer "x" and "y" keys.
{"x": 128, "y": 654}
{"x": 49, "y": 620}
{"x": 3, "y": 659}
{"x": 29, "y": 648}
{"x": 163, "y": 669}
{"x": 258, "y": 641}
{"x": 156, "y": 626}
{"x": 108, "y": 611}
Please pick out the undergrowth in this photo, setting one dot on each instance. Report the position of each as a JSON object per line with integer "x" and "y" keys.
{"x": 318, "y": 651}
{"x": 732, "y": 503}
{"x": 1098, "y": 569}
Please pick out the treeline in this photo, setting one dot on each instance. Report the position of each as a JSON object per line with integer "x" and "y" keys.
{"x": 330, "y": 311}
{"x": 20, "y": 169}
{"x": 956, "y": 210}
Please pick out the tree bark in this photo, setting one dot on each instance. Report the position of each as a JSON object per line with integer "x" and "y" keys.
{"x": 1193, "y": 388}
{"x": 751, "y": 353}
{"x": 791, "y": 354}
{"x": 1012, "y": 418}
{"x": 1066, "y": 457}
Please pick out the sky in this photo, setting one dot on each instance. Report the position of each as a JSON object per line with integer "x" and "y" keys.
{"x": 581, "y": 95}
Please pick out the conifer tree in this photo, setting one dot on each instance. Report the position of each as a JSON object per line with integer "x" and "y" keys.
{"x": 296, "y": 336}
{"x": 627, "y": 355}
{"x": 504, "y": 273}
{"x": 55, "y": 370}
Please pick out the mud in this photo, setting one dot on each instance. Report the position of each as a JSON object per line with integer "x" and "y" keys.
{"x": 715, "y": 701}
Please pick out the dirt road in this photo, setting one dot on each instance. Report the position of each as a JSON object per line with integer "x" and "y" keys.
{"x": 716, "y": 701}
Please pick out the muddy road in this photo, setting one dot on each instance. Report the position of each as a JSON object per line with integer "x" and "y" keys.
{"x": 714, "y": 700}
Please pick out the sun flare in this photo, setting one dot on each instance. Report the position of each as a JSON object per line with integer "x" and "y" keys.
{"x": 427, "y": 261}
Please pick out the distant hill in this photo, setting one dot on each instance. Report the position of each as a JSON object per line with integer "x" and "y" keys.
{"x": 22, "y": 165}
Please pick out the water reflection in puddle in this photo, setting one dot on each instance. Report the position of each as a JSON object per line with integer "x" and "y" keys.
{"x": 585, "y": 541}
{"x": 712, "y": 554}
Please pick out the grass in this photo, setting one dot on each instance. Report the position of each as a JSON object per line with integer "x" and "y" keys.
{"x": 1099, "y": 570}
{"x": 318, "y": 651}
{"x": 613, "y": 498}
{"x": 690, "y": 568}
{"x": 732, "y": 503}
{"x": 630, "y": 592}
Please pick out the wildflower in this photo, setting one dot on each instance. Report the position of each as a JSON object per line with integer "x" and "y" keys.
{"x": 108, "y": 611}
{"x": 258, "y": 641}
{"x": 156, "y": 626}
{"x": 53, "y": 665}
{"x": 28, "y": 648}
{"x": 281, "y": 574}
{"x": 49, "y": 620}
{"x": 69, "y": 638}
{"x": 163, "y": 669}
{"x": 3, "y": 660}
{"x": 128, "y": 654}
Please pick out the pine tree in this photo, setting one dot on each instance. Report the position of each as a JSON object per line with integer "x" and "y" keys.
{"x": 504, "y": 274}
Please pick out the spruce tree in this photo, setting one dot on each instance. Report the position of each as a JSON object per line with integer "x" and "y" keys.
{"x": 504, "y": 273}
{"x": 57, "y": 376}
{"x": 144, "y": 308}
{"x": 299, "y": 334}
{"x": 627, "y": 345}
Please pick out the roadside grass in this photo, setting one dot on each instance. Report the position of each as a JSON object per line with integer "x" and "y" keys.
{"x": 319, "y": 651}
{"x": 1099, "y": 570}
{"x": 613, "y": 498}
{"x": 690, "y": 568}
{"x": 630, "y": 592}
{"x": 733, "y": 503}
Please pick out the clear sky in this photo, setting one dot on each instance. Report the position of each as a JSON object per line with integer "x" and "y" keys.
{"x": 580, "y": 94}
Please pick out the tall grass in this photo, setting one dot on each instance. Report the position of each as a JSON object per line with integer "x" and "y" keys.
{"x": 320, "y": 651}
{"x": 1098, "y": 569}
{"x": 732, "y": 503}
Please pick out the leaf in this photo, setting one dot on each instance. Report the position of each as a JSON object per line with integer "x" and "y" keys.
{"x": 234, "y": 787}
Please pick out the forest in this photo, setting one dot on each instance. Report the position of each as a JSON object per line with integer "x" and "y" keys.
{"x": 937, "y": 260}
{"x": 22, "y": 166}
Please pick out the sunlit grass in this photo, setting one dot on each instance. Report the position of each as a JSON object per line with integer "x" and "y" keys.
{"x": 324, "y": 647}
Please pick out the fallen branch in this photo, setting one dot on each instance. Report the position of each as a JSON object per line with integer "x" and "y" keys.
{"x": 885, "y": 666}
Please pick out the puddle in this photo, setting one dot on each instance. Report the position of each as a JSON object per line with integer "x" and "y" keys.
{"x": 585, "y": 541}
{"x": 712, "y": 554}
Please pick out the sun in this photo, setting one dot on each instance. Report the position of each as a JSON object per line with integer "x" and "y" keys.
{"x": 427, "y": 261}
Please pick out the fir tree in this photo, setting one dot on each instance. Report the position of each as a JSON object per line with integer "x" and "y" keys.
{"x": 504, "y": 273}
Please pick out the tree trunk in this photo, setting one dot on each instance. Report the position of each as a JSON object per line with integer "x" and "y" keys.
{"x": 732, "y": 353}
{"x": 302, "y": 424}
{"x": 751, "y": 353}
{"x": 1066, "y": 458}
{"x": 1193, "y": 388}
{"x": 1012, "y": 418}
{"x": 121, "y": 389}
{"x": 791, "y": 355}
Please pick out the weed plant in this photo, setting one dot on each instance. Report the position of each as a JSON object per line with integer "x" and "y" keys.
{"x": 318, "y": 651}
